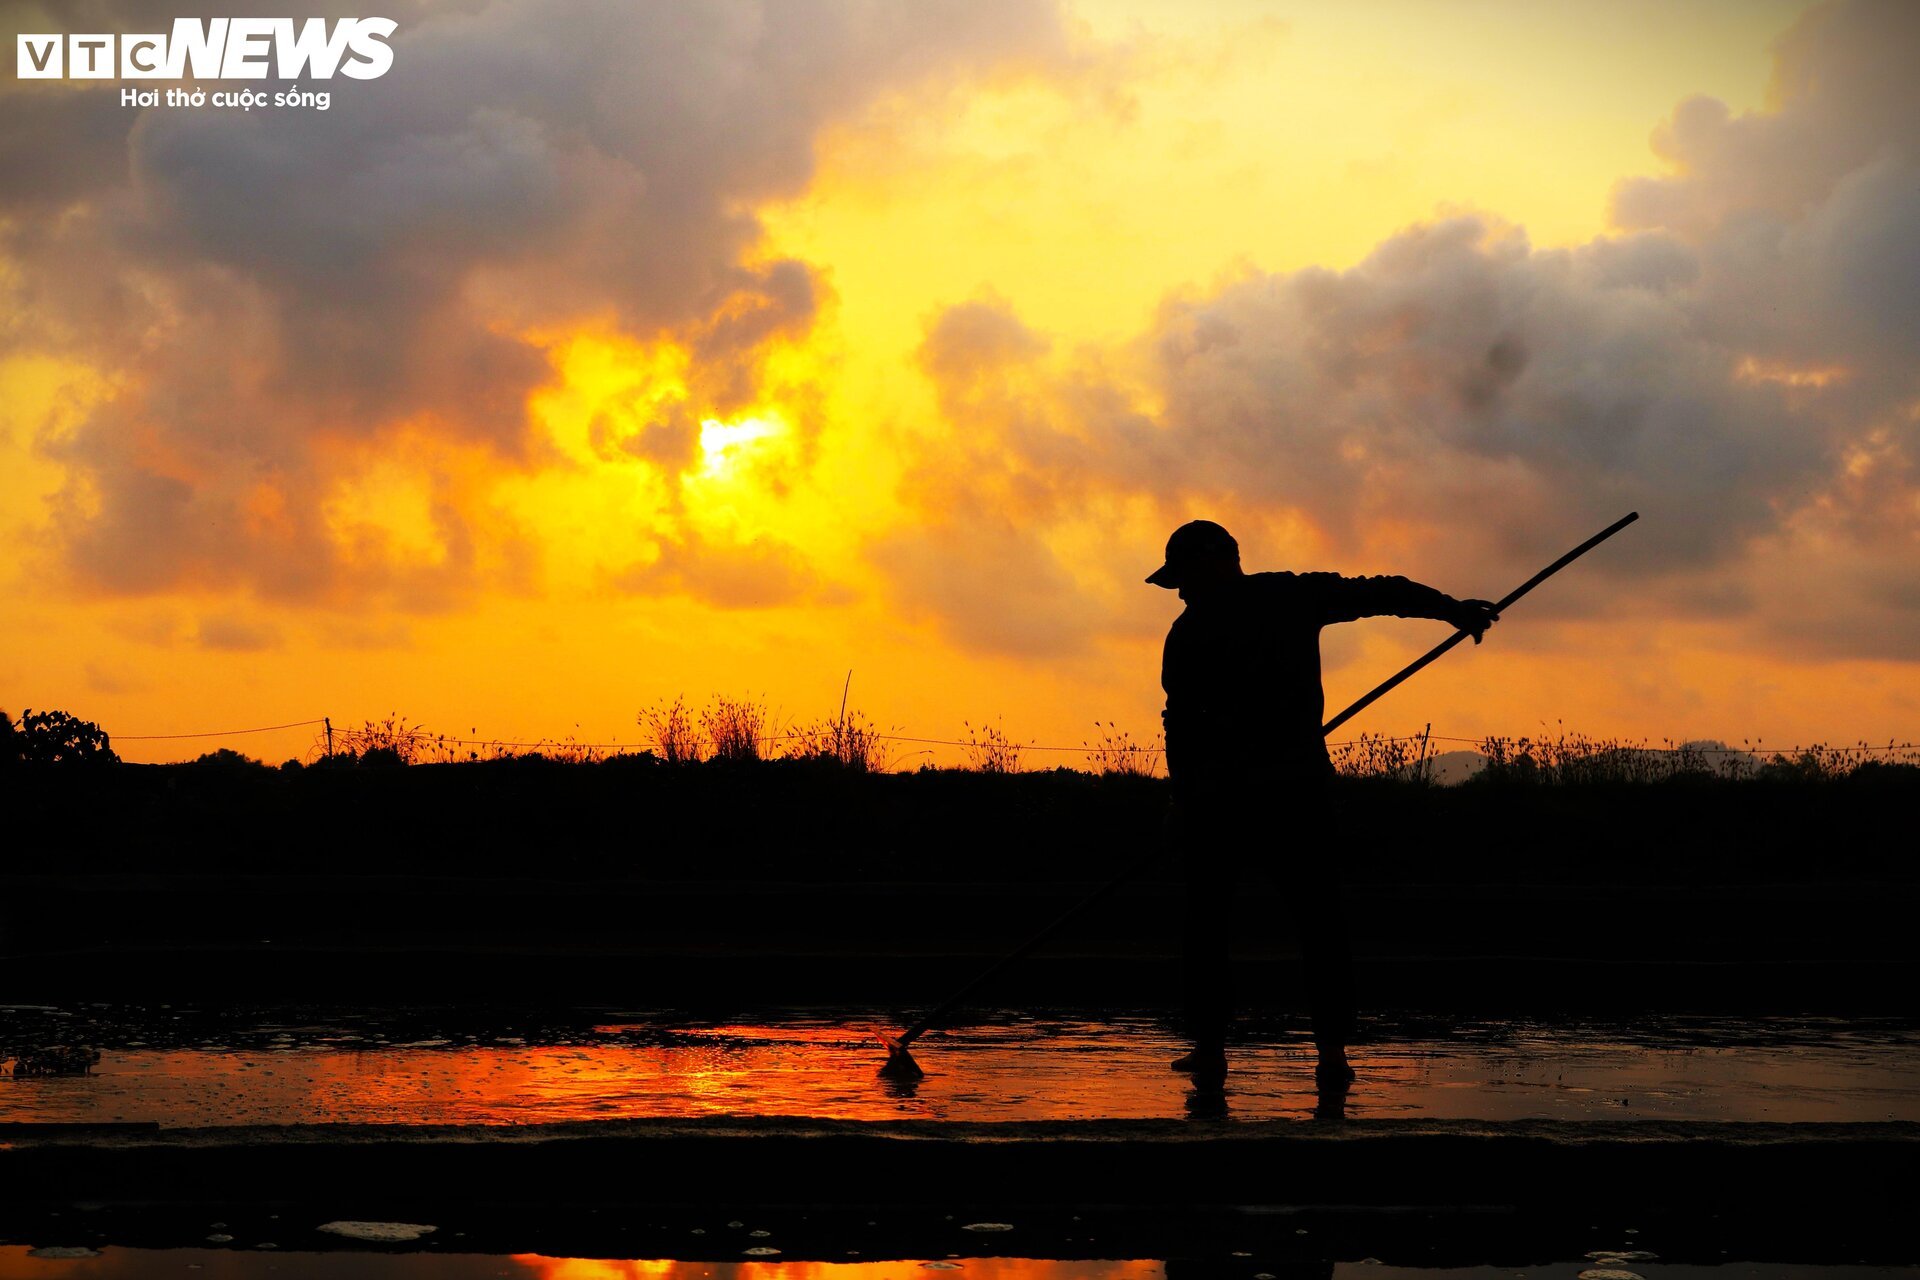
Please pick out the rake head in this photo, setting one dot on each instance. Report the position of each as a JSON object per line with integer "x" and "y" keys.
{"x": 900, "y": 1064}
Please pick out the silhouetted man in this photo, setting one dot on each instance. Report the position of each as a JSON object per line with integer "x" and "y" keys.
{"x": 1250, "y": 770}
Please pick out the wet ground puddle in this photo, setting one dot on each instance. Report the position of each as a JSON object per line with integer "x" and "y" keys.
{"x": 194, "y": 1067}
{"x": 21, "y": 1263}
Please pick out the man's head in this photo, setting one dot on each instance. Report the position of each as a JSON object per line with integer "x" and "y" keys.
{"x": 1199, "y": 554}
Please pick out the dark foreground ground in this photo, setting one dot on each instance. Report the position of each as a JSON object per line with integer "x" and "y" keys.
{"x": 1214, "y": 1197}
{"x": 715, "y": 887}
{"x": 715, "y": 890}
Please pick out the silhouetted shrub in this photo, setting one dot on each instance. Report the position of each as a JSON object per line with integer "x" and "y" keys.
{"x": 1885, "y": 773}
{"x": 228, "y": 758}
{"x": 402, "y": 742}
{"x": 852, "y": 741}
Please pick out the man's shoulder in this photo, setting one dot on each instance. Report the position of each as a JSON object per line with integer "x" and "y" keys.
{"x": 1304, "y": 593}
{"x": 1280, "y": 591}
{"x": 1282, "y": 581}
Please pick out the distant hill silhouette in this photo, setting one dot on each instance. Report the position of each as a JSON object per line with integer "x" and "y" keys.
{"x": 1448, "y": 767}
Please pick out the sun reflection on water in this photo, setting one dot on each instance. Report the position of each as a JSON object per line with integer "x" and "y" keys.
{"x": 1018, "y": 1069}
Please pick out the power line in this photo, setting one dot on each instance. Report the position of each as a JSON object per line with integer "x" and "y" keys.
{"x": 1089, "y": 747}
{"x": 211, "y": 733}
{"x": 827, "y": 736}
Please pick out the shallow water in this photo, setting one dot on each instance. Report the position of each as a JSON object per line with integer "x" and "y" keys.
{"x": 190, "y": 1068}
{"x": 123, "y": 1264}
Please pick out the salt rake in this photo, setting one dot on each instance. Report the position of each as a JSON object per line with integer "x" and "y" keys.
{"x": 900, "y": 1064}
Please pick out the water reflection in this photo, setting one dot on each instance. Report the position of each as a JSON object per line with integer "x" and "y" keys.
{"x": 16, "y": 1263}
{"x": 1015, "y": 1068}
{"x": 973, "y": 1269}
{"x": 1330, "y": 1103}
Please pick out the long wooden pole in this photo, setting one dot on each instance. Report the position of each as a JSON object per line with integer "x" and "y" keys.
{"x": 1500, "y": 606}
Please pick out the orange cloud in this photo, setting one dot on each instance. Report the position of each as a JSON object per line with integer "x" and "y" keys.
{"x": 273, "y": 295}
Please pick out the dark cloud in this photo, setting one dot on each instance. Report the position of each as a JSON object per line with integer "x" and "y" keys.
{"x": 969, "y": 345}
{"x": 1805, "y": 217}
{"x": 990, "y": 585}
{"x": 261, "y": 282}
{"x": 1497, "y": 399}
{"x": 778, "y": 301}
{"x": 669, "y": 438}
{"x": 54, "y": 144}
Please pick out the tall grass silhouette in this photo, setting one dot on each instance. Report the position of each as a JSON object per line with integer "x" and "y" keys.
{"x": 389, "y": 741}
{"x": 735, "y": 728}
{"x": 1563, "y": 758}
{"x": 738, "y": 730}
{"x": 852, "y": 741}
{"x": 671, "y": 734}
{"x": 1115, "y": 752}
{"x": 1373, "y": 755}
{"x": 988, "y": 749}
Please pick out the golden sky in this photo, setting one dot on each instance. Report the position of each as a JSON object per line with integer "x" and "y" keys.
{"x": 584, "y": 361}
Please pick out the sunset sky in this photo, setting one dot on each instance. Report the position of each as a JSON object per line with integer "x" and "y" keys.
{"x": 602, "y": 352}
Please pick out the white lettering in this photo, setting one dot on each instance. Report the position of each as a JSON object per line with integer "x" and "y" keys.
{"x": 90, "y": 57}
{"x": 38, "y": 57}
{"x": 216, "y": 49}
{"x": 311, "y": 51}
{"x": 137, "y": 57}
{"x": 369, "y": 43}
{"x": 200, "y": 47}
{"x": 249, "y": 42}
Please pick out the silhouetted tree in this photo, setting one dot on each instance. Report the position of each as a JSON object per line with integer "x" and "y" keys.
{"x": 55, "y": 737}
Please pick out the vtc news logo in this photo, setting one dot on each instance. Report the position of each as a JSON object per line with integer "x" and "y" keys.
{"x": 216, "y": 49}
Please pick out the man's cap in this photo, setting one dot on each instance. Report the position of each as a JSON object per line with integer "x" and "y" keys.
{"x": 1194, "y": 542}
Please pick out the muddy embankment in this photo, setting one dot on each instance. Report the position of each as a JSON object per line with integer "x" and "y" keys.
{"x": 1796, "y": 1171}
{"x": 638, "y": 883}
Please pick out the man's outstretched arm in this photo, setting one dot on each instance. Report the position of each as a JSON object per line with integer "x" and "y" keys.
{"x": 1344, "y": 599}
